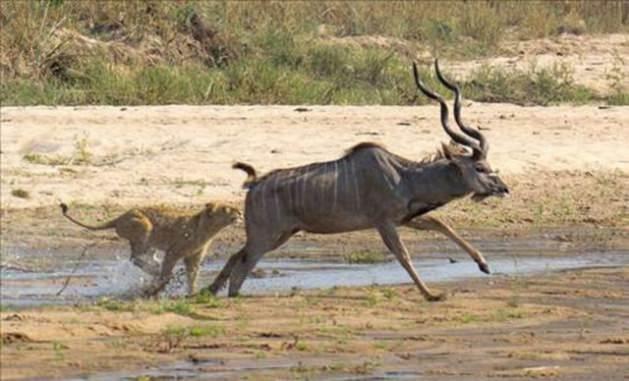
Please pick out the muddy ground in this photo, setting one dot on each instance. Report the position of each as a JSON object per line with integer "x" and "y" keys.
{"x": 568, "y": 326}
{"x": 567, "y": 168}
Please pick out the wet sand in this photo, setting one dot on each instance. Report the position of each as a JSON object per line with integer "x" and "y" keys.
{"x": 569, "y": 326}
{"x": 61, "y": 278}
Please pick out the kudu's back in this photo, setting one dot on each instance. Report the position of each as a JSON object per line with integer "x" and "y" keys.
{"x": 329, "y": 197}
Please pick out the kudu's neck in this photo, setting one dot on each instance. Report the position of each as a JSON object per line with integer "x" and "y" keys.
{"x": 437, "y": 183}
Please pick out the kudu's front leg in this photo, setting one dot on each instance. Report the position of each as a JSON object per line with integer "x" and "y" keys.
{"x": 432, "y": 223}
{"x": 394, "y": 243}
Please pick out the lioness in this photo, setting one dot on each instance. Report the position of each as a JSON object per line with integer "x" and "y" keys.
{"x": 178, "y": 234}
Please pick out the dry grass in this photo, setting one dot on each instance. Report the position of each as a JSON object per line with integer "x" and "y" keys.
{"x": 585, "y": 198}
{"x": 20, "y": 193}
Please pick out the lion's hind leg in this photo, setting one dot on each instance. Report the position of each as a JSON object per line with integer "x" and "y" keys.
{"x": 137, "y": 228}
{"x": 170, "y": 259}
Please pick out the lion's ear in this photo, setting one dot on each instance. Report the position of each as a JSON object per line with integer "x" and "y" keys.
{"x": 210, "y": 207}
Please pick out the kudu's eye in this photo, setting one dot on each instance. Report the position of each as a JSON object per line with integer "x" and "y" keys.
{"x": 481, "y": 169}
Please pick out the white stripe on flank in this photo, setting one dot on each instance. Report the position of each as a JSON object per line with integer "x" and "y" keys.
{"x": 263, "y": 195}
{"x": 303, "y": 193}
{"x": 335, "y": 179}
{"x": 295, "y": 195}
{"x": 356, "y": 190}
{"x": 345, "y": 186}
{"x": 289, "y": 189}
{"x": 324, "y": 185}
{"x": 386, "y": 178}
{"x": 277, "y": 200}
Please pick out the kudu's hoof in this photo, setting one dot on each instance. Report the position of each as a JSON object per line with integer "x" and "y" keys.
{"x": 212, "y": 289}
{"x": 484, "y": 267}
{"x": 436, "y": 298}
{"x": 150, "y": 294}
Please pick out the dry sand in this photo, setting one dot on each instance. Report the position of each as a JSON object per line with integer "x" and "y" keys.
{"x": 598, "y": 62}
{"x": 568, "y": 326}
{"x": 140, "y": 155}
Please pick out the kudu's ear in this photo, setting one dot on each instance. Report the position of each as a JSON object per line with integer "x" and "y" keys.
{"x": 446, "y": 151}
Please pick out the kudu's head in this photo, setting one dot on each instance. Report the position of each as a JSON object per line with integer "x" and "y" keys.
{"x": 475, "y": 171}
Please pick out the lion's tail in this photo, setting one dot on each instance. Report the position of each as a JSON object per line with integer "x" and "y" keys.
{"x": 106, "y": 225}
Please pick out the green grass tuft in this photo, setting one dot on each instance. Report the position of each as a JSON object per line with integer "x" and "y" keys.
{"x": 364, "y": 257}
{"x": 20, "y": 193}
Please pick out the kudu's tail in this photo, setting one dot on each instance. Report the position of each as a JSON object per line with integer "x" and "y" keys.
{"x": 106, "y": 225}
{"x": 252, "y": 177}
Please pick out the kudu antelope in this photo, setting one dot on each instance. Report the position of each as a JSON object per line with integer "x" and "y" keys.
{"x": 369, "y": 187}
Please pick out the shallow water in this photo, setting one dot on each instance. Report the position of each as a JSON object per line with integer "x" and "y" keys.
{"x": 99, "y": 277}
{"x": 217, "y": 370}
{"x": 96, "y": 278}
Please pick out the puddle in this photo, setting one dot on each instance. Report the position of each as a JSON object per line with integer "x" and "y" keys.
{"x": 302, "y": 275}
{"x": 109, "y": 277}
{"x": 238, "y": 369}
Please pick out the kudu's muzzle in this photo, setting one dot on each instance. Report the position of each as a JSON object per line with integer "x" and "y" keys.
{"x": 497, "y": 188}
{"x": 500, "y": 189}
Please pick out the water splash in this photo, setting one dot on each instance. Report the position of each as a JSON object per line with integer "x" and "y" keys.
{"x": 119, "y": 278}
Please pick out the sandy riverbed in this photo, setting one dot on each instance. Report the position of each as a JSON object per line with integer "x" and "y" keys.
{"x": 566, "y": 166}
{"x": 183, "y": 153}
{"x": 567, "y": 326}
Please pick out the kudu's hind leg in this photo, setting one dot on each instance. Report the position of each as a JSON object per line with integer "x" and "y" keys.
{"x": 432, "y": 223}
{"x": 394, "y": 243}
{"x": 253, "y": 252}
{"x": 223, "y": 276}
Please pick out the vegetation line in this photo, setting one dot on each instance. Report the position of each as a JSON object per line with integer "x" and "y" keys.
{"x": 55, "y": 52}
